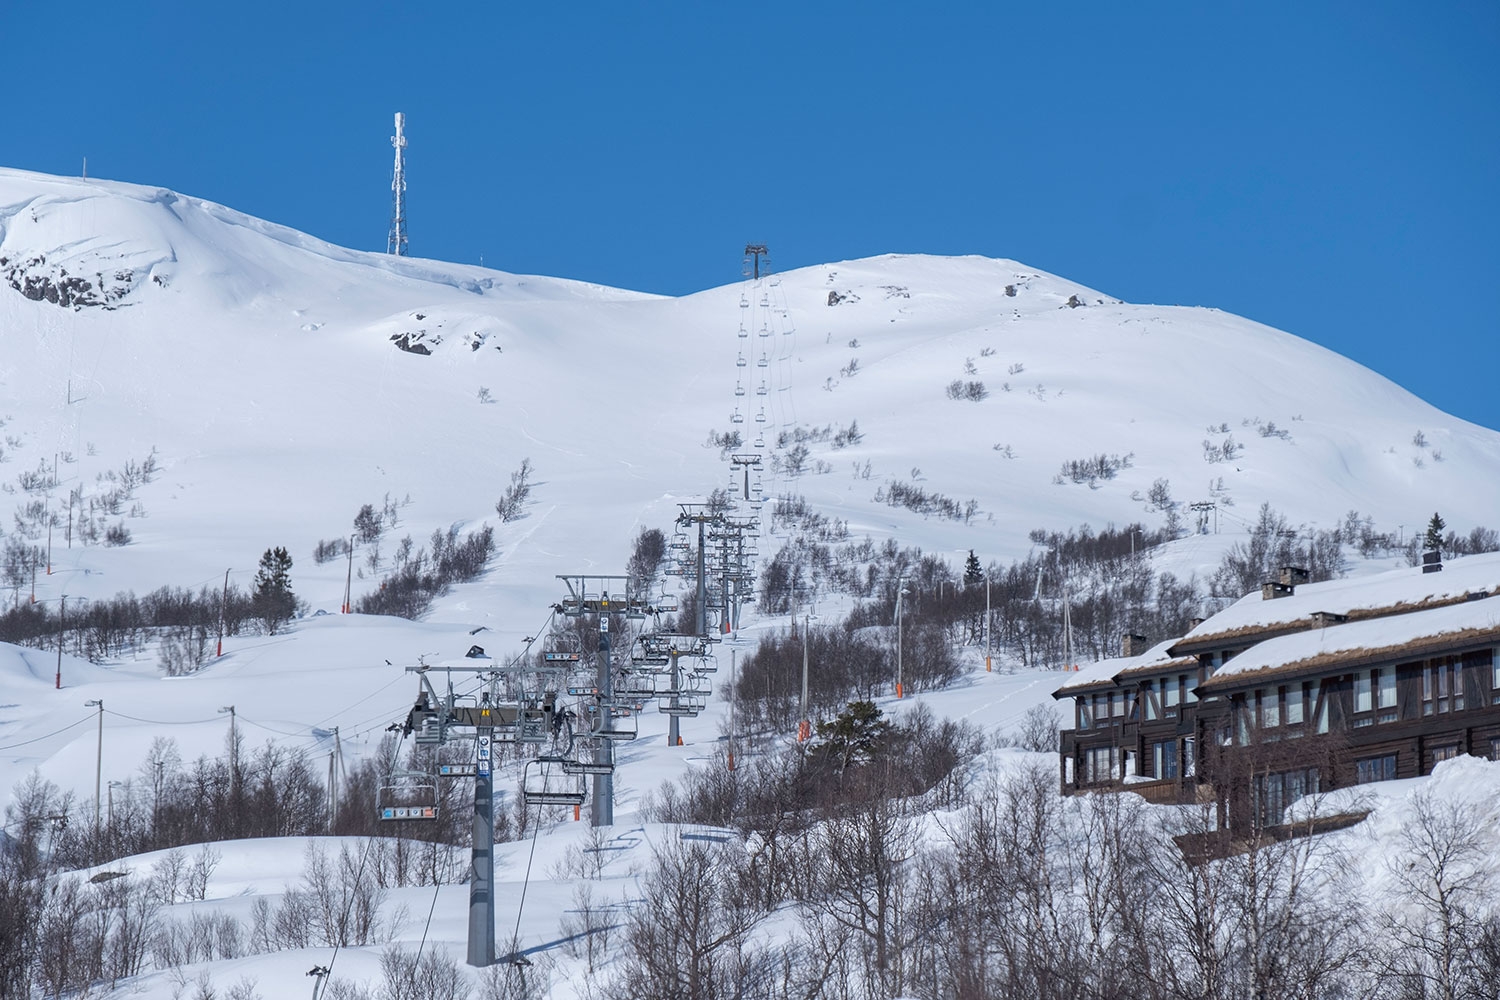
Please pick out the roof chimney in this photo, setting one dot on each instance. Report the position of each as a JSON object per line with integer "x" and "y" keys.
{"x": 1293, "y": 575}
{"x": 1432, "y": 562}
{"x": 1273, "y": 589}
{"x": 1133, "y": 645}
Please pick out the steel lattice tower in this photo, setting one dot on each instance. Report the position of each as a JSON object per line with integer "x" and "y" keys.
{"x": 396, "y": 242}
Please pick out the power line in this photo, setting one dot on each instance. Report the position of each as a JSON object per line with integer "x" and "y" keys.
{"x": 54, "y": 732}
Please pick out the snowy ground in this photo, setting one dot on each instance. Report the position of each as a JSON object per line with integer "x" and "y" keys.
{"x": 259, "y": 367}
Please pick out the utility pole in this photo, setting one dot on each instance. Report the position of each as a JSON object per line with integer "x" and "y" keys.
{"x": 732, "y": 654}
{"x": 234, "y": 760}
{"x": 987, "y": 662}
{"x": 62, "y": 609}
{"x": 900, "y": 590}
{"x": 674, "y": 728}
{"x": 349, "y": 580}
{"x": 804, "y": 728}
{"x": 98, "y": 760}
{"x": 223, "y": 606}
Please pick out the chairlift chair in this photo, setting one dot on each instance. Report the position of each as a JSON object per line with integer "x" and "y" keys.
{"x": 407, "y": 795}
{"x": 743, "y": 331}
{"x": 616, "y": 722}
{"x": 688, "y": 706}
{"x": 431, "y": 732}
{"x": 571, "y": 766}
{"x": 541, "y": 786}
{"x": 532, "y": 725}
{"x": 739, "y": 362}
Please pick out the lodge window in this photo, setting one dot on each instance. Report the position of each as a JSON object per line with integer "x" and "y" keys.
{"x": 1374, "y": 696}
{"x": 1171, "y": 692}
{"x": 1275, "y": 792}
{"x": 1295, "y": 699}
{"x": 1116, "y": 704}
{"x": 1148, "y": 695}
{"x": 1099, "y": 764}
{"x": 1440, "y": 754}
{"x": 1085, "y": 716}
{"x": 1495, "y": 677}
{"x": 1495, "y": 748}
{"x": 1443, "y": 687}
{"x": 1382, "y": 768}
{"x": 1270, "y": 708}
{"x": 1164, "y": 759}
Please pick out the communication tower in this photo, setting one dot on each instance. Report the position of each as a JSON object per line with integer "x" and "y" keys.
{"x": 396, "y": 242}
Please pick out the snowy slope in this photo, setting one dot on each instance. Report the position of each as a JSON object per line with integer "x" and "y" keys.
{"x": 260, "y": 366}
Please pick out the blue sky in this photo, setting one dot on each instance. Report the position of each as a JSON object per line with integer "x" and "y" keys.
{"x": 1327, "y": 168}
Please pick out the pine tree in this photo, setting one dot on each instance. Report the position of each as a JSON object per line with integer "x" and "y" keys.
{"x": 855, "y": 736}
{"x": 1433, "y": 542}
{"x": 272, "y": 599}
{"x": 973, "y": 573}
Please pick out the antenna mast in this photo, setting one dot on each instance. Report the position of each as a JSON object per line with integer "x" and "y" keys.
{"x": 396, "y": 242}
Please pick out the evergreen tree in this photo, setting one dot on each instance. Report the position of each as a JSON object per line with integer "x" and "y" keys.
{"x": 973, "y": 573}
{"x": 272, "y": 599}
{"x": 856, "y": 736}
{"x": 1433, "y": 542}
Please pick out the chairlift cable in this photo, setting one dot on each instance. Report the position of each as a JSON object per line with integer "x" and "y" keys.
{"x": 515, "y": 937}
{"x": 364, "y": 854}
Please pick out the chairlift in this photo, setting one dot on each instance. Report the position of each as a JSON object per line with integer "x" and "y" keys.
{"x": 763, "y": 362}
{"x": 737, "y": 418}
{"x": 407, "y": 795}
{"x": 431, "y": 732}
{"x": 571, "y": 766}
{"x": 739, "y": 362}
{"x": 533, "y": 725}
{"x": 760, "y": 390}
{"x": 765, "y": 301}
{"x": 687, "y": 706}
{"x": 744, "y": 302}
{"x": 615, "y": 722}
{"x": 540, "y": 786}
{"x": 743, "y": 331}
{"x": 765, "y": 331}
{"x": 739, "y": 390}
{"x": 760, "y": 417}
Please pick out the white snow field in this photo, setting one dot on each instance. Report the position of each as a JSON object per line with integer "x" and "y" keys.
{"x": 258, "y": 368}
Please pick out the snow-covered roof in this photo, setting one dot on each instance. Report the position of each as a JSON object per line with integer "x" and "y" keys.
{"x": 1469, "y": 623}
{"x": 1102, "y": 674}
{"x": 1392, "y": 592}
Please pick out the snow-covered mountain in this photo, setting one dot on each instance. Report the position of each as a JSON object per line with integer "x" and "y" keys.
{"x": 266, "y": 371}
{"x": 274, "y": 384}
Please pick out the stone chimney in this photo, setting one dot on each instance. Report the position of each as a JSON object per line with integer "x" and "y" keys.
{"x": 1133, "y": 645}
{"x": 1273, "y": 589}
{"x": 1293, "y": 575}
{"x": 1432, "y": 562}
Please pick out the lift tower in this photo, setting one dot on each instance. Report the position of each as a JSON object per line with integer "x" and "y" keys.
{"x": 596, "y": 601}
